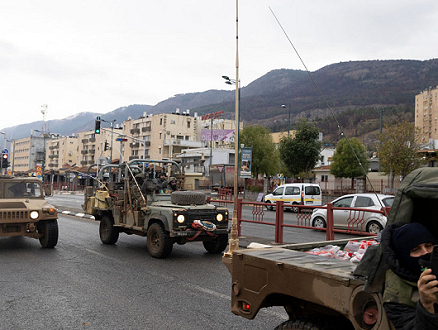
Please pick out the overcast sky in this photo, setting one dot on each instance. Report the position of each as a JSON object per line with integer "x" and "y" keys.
{"x": 99, "y": 55}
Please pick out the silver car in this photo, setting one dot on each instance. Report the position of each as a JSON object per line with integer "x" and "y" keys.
{"x": 355, "y": 220}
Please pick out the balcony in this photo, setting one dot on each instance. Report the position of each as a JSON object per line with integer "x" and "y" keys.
{"x": 56, "y": 146}
{"x": 147, "y": 144}
{"x": 135, "y": 131}
{"x": 134, "y": 144}
{"x": 53, "y": 156}
{"x": 146, "y": 129}
{"x": 83, "y": 162}
{"x": 84, "y": 152}
{"x": 92, "y": 140}
{"x": 92, "y": 151}
{"x": 84, "y": 140}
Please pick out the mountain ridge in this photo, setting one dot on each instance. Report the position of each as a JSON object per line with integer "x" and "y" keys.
{"x": 346, "y": 86}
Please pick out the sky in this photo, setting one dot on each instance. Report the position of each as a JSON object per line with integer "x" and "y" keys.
{"x": 99, "y": 55}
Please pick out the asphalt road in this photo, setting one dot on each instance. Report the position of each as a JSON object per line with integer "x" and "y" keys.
{"x": 84, "y": 284}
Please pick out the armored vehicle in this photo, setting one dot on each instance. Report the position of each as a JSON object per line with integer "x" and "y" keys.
{"x": 138, "y": 203}
{"x": 323, "y": 293}
{"x": 25, "y": 212}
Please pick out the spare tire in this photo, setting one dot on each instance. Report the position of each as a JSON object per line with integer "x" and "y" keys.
{"x": 188, "y": 198}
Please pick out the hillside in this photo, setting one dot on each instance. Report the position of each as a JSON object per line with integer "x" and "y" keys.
{"x": 356, "y": 87}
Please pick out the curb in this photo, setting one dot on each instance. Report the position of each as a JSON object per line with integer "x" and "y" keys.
{"x": 78, "y": 215}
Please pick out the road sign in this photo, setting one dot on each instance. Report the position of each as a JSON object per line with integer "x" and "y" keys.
{"x": 98, "y": 118}
{"x": 121, "y": 139}
{"x": 5, "y": 151}
{"x": 220, "y": 168}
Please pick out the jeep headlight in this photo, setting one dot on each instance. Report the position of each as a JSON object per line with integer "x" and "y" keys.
{"x": 180, "y": 218}
{"x": 34, "y": 215}
{"x": 219, "y": 217}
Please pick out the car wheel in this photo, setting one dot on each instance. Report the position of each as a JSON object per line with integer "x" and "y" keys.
{"x": 107, "y": 232}
{"x": 374, "y": 227}
{"x": 217, "y": 244}
{"x": 158, "y": 242}
{"x": 319, "y": 222}
{"x": 270, "y": 207}
{"x": 295, "y": 209}
{"x": 49, "y": 230}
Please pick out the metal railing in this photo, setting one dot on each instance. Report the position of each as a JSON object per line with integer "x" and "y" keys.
{"x": 355, "y": 221}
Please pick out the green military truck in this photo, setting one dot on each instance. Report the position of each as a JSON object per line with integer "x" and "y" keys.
{"x": 323, "y": 293}
{"x": 25, "y": 212}
{"x": 164, "y": 216}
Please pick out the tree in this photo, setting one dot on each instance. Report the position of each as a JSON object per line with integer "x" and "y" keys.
{"x": 398, "y": 149}
{"x": 347, "y": 160}
{"x": 301, "y": 152}
{"x": 265, "y": 158}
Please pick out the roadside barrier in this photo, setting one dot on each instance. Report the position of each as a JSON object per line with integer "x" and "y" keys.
{"x": 355, "y": 220}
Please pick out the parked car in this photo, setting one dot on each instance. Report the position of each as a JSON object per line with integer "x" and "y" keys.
{"x": 294, "y": 194}
{"x": 373, "y": 222}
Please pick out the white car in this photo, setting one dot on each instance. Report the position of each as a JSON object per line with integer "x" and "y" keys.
{"x": 372, "y": 222}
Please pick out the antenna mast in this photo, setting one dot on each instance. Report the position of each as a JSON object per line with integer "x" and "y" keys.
{"x": 44, "y": 112}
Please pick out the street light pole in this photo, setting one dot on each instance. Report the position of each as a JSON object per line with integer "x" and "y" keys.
{"x": 288, "y": 128}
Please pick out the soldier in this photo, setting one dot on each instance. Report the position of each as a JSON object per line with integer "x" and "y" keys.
{"x": 409, "y": 298}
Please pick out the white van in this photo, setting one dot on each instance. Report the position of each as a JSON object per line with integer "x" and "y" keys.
{"x": 295, "y": 194}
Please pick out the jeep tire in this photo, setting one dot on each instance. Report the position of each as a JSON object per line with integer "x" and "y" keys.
{"x": 158, "y": 242}
{"x": 49, "y": 230}
{"x": 188, "y": 198}
{"x": 217, "y": 244}
{"x": 107, "y": 232}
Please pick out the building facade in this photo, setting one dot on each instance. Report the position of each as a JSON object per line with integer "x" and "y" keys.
{"x": 26, "y": 153}
{"x": 61, "y": 151}
{"x": 426, "y": 115}
{"x": 160, "y": 136}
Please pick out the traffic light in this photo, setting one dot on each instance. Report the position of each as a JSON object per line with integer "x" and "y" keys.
{"x": 97, "y": 127}
{"x": 106, "y": 147}
{"x": 5, "y": 162}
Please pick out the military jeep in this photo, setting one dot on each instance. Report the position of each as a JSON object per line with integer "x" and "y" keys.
{"x": 164, "y": 216}
{"x": 25, "y": 212}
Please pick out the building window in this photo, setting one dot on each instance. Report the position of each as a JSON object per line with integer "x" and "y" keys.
{"x": 188, "y": 124}
{"x": 172, "y": 121}
{"x": 161, "y": 121}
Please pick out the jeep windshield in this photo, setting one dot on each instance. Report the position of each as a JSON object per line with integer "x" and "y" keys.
{"x": 22, "y": 189}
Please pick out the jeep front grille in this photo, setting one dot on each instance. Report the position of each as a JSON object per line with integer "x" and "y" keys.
{"x": 14, "y": 215}
{"x": 208, "y": 215}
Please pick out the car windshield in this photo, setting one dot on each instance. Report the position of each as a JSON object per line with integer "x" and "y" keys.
{"x": 22, "y": 189}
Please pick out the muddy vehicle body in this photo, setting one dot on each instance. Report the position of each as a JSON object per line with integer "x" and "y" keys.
{"x": 25, "y": 212}
{"x": 164, "y": 216}
{"x": 323, "y": 292}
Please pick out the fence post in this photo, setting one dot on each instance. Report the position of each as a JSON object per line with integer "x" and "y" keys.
{"x": 239, "y": 216}
{"x": 330, "y": 235}
{"x": 279, "y": 214}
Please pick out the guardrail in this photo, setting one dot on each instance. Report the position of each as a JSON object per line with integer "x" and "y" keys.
{"x": 356, "y": 218}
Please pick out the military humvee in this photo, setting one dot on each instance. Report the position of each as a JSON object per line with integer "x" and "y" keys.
{"x": 164, "y": 217}
{"x": 323, "y": 293}
{"x": 25, "y": 212}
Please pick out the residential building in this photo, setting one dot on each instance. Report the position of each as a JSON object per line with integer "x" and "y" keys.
{"x": 60, "y": 151}
{"x": 426, "y": 116}
{"x": 26, "y": 153}
{"x": 90, "y": 147}
{"x": 160, "y": 136}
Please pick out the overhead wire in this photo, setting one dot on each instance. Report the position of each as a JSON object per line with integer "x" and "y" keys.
{"x": 341, "y": 132}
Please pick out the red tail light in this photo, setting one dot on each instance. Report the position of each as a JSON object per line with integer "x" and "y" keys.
{"x": 246, "y": 307}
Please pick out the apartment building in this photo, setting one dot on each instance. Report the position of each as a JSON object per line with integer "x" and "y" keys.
{"x": 160, "y": 136}
{"x": 426, "y": 115}
{"x": 26, "y": 153}
{"x": 91, "y": 147}
{"x": 61, "y": 151}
